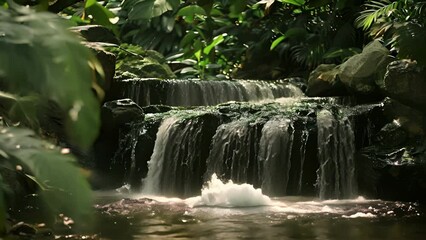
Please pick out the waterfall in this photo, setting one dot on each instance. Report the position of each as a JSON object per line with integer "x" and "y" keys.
{"x": 302, "y": 152}
{"x": 269, "y": 145}
{"x": 152, "y": 183}
{"x": 178, "y": 159}
{"x": 276, "y": 145}
{"x": 233, "y": 151}
{"x": 134, "y": 92}
{"x": 336, "y": 148}
{"x": 194, "y": 92}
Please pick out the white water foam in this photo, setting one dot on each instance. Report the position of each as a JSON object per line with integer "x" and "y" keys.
{"x": 219, "y": 194}
{"x": 360, "y": 215}
{"x": 232, "y": 198}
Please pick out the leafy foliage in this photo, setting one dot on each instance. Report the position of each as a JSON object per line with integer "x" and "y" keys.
{"x": 45, "y": 75}
{"x": 316, "y": 31}
{"x": 401, "y": 24}
{"x": 134, "y": 62}
{"x": 62, "y": 185}
{"x": 215, "y": 38}
{"x": 58, "y": 68}
{"x": 97, "y": 14}
{"x": 147, "y": 9}
{"x": 375, "y": 10}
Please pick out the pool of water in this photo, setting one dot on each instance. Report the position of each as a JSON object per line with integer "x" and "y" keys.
{"x": 142, "y": 217}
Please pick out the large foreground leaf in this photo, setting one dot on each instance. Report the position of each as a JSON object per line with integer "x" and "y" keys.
{"x": 39, "y": 55}
{"x": 62, "y": 186}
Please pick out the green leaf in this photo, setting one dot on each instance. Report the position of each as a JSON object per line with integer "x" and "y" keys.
{"x": 190, "y": 11}
{"x": 66, "y": 190}
{"x": 294, "y": 2}
{"x": 277, "y": 41}
{"x": 57, "y": 68}
{"x": 216, "y": 41}
{"x": 100, "y": 14}
{"x": 188, "y": 38}
{"x": 410, "y": 41}
{"x": 374, "y": 11}
{"x": 197, "y": 54}
{"x": 3, "y": 3}
{"x": 237, "y": 7}
{"x": 147, "y": 9}
{"x": 21, "y": 110}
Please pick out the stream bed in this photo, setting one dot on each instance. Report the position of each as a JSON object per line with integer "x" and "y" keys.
{"x": 288, "y": 218}
{"x": 239, "y": 211}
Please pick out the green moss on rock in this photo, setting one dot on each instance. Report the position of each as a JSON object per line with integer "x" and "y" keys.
{"x": 135, "y": 62}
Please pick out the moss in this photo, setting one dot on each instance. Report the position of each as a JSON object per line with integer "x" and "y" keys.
{"x": 135, "y": 62}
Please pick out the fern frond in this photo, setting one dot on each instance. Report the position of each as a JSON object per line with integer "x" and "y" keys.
{"x": 374, "y": 11}
{"x": 419, "y": 10}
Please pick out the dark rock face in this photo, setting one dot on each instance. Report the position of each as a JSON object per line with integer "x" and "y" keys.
{"x": 405, "y": 82}
{"x": 392, "y": 173}
{"x": 410, "y": 119}
{"x": 107, "y": 61}
{"x": 144, "y": 92}
{"x": 95, "y": 37}
{"x": 392, "y": 135}
{"x": 361, "y": 72}
{"x": 115, "y": 118}
{"x": 324, "y": 82}
{"x": 391, "y": 165}
{"x": 96, "y": 33}
{"x": 121, "y": 112}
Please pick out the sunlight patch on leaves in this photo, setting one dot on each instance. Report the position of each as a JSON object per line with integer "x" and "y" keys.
{"x": 147, "y": 9}
{"x": 375, "y": 9}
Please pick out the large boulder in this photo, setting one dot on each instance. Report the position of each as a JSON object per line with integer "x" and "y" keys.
{"x": 392, "y": 173}
{"x": 107, "y": 61}
{"x": 95, "y": 38}
{"x": 410, "y": 119}
{"x": 324, "y": 82}
{"x": 116, "y": 117}
{"x": 392, "y": 135}
{"x": 361, "y": 72}
{"x": 405, "y": 82}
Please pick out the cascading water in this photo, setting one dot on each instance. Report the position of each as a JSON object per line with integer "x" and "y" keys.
{"x": 274, "y": 156}
{"x": 233, "y": 151}
{"x": 152, "y": 183}
{"x": 302, "y": 151}
{"x": 336, "y": 148}
{"x": 178, "y": 159}
{"x": 274, "y": 146}
{"x": 192, "y": 92}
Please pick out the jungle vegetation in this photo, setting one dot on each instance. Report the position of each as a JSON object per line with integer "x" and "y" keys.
{"x": 47, "y": 76}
